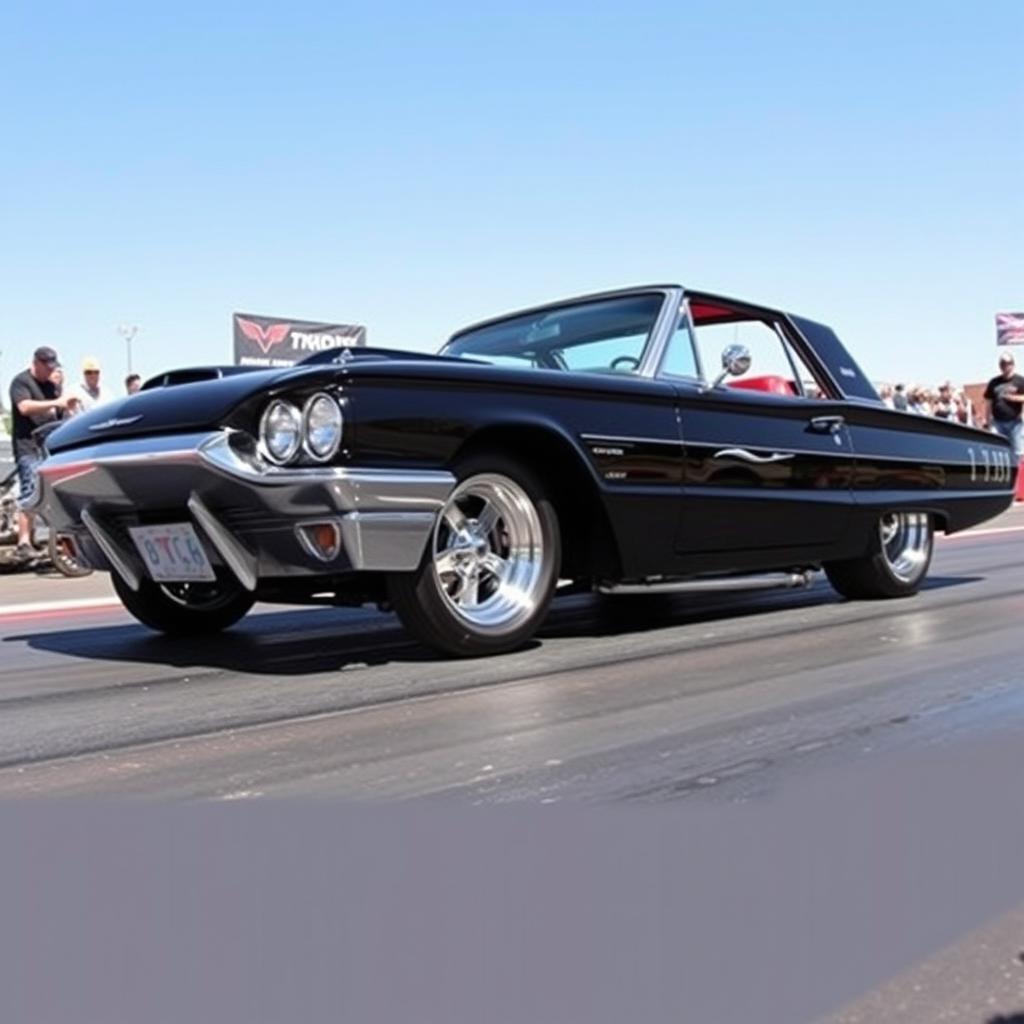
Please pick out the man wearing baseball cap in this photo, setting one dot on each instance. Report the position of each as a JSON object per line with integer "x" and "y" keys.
{"x": 35, "y": 401}
{"x": 89, "y": 393}
{"x": 1005, "y": 398}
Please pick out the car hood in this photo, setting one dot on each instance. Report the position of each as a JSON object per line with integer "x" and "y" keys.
{"x": 172, "y": 407}
{"x": 195, "y": 399}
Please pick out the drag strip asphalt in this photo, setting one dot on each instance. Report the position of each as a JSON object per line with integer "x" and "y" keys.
{"x": 832, "y": 785}
{"x": 646, "y": 699}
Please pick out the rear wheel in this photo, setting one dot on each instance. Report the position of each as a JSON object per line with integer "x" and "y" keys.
{"x": 185, "y": 608}
{"x": 490, "y": 569}
{"x": 895, "y": 565}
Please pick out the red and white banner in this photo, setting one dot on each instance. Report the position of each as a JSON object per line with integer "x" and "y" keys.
{"x": 1010, "y": 328}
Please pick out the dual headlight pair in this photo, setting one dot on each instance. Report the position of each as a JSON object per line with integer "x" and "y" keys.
{"x": 316, "y": 428}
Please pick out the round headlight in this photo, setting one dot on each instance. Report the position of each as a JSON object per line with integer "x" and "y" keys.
{"x": 321, "y": 426}
{"x": 281, "y": 431}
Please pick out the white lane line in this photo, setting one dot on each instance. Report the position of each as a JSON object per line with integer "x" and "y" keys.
{"x": 69, "y": 605}
{"x": 967, "y": 534}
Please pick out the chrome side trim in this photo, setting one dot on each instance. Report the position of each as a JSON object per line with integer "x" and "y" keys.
{"x": 761, "y": 581}
{"x": 839, "y": 453}
{"x": 238, "y": 560}
{"x": 106, "y": 543}
{"x": 386, "y": 541}
{"x": 742, "y": 453}
{"x": 350, "y": 487}
{"x": 616, "y": 439}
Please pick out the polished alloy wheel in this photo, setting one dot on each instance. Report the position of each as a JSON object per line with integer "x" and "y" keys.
{"x": 906, "y": 543}
{"x": 488, "y": 553}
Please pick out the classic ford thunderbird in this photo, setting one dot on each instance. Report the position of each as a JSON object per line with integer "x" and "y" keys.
{"x": 639, "y": 441}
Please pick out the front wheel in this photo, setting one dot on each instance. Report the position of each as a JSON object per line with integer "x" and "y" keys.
{"x": 896, "y": 562}
{"x": 489, "y": 571}
{"x": 185, "y": 609}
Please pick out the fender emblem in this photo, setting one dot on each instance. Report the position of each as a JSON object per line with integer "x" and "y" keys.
{"x": 115, "y": 422}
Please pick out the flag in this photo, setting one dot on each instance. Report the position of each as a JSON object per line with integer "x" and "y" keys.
{"x": 1010, "y": 328}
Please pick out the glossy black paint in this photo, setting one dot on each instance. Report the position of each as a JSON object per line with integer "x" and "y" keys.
{"x": 650, "y": 476}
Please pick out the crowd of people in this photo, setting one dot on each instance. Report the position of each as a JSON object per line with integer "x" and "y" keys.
{"x": 1002, "y": 414}
{"x": 944, "y": 402}
{"x": 41, "y": 395}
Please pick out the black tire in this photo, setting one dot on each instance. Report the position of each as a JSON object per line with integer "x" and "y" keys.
{"x": 429, "y": 600}
{"x": 214, "y": 606}
{"x": 893, "y": 568}
{"x": 64, "y": 563}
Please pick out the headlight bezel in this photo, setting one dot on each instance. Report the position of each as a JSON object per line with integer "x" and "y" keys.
{"x": 293, "y": 448}
{"x": 307, "y": 444}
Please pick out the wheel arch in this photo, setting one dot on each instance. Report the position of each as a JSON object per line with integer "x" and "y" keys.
{"x": 589, "y": 545}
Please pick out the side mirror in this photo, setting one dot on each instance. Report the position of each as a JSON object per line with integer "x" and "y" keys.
{"x": 735, "y": 363}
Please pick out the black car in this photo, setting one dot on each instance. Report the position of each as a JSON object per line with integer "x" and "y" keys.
{"x": 644, "y": 440}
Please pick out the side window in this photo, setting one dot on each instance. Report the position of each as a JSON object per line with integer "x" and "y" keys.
{"x": 607, "y": 353}
{"x": 775, "y": 367}
{"x": 680, "y": 360}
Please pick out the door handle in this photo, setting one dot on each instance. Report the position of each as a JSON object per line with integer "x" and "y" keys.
{"x": 827, "y": 424}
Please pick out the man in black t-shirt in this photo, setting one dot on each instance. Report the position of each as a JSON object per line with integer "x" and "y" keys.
{"x": 35, "y": 401}
{"x": 1005, "y": 398}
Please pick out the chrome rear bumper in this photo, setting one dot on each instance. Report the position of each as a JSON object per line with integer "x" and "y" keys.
{"x": 246, "y": 510}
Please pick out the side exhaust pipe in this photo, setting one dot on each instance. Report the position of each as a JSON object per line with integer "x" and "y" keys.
{"x": 714, "y": 584}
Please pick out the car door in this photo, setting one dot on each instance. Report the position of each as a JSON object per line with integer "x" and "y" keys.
{"x": 761, "y": 471}
{"x": 767, "y": 455}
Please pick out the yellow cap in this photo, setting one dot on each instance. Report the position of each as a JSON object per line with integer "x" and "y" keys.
{"x": 90, "y": 363}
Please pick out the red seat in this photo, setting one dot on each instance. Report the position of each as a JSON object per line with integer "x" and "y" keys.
{"x": 770, "y": 382}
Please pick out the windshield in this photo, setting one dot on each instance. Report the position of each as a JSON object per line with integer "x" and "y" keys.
{"x": 602, "y": 336}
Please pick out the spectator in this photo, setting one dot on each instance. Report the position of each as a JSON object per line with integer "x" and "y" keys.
{"x": 899, "y": 398}
{"x": 35, "y": 401}
{"x": 917, "y": 402}
{"x": 964, "y": 409}
{"x": 1004, "y": 396}
{"x": 89, "y": 392}
{"x": 943, "y": 406}
{"x": 885, "y": 394}
{"x": 132, "y": 383}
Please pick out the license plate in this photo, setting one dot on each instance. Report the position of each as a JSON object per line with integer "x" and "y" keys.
{"x": 172, "y": 553}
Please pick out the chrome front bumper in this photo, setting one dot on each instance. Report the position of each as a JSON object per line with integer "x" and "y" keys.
{"x": 247, "y": 510}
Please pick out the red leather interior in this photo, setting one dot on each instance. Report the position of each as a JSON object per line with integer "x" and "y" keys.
{"x": 770, "y": 382}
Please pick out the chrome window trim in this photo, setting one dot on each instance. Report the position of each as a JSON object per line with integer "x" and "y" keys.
{"x": 661, "y": 333}
{"x": 682, "y": 317}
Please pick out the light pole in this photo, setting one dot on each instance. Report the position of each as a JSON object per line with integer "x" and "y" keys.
{"x": 128, "y": 332}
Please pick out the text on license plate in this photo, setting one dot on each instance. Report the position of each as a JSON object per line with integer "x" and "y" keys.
{"x": 172, "y": 553}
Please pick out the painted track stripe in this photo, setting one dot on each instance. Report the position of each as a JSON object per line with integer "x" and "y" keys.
{"x": 71, "y": 605}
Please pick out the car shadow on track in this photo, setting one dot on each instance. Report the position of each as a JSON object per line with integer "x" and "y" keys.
{"x": 617, "y": 615}
{"x": 308, "y": 641}
{"x": 291, "y": 642}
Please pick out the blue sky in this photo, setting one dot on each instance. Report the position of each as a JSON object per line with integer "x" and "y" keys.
{"x": 416, "y": 167}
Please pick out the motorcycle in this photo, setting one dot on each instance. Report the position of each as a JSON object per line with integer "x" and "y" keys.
{"x": 61, "y": 556}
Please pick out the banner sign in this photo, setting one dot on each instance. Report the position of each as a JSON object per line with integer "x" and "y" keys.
{"x": 273, "y": 341}
{"x": 1010, "y": 328}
